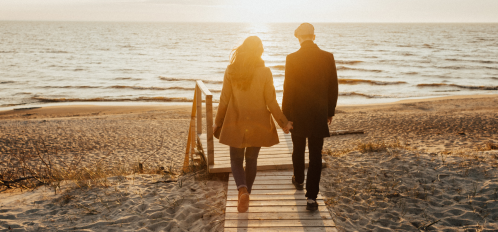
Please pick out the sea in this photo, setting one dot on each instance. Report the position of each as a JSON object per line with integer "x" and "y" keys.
{"x": 145, "y": 63}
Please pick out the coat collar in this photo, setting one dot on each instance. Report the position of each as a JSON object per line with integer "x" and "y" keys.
{"x": 308, "y": 44}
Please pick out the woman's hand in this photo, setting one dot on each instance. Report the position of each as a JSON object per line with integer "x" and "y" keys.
{"x": 214, "y": 127}
{"x": 288, "y": 127}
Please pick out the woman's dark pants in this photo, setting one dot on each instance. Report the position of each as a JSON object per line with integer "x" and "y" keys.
{"x": 244, "y": 178}
{"x": 315, "y": 145}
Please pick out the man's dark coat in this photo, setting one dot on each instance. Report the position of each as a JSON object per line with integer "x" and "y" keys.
{"x": 310, "y": 90}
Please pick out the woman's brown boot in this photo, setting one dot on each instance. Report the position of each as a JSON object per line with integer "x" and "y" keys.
{"x": 243, "y": 203}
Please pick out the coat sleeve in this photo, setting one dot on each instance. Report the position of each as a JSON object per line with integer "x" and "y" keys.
{"x": 286, "y": 100}
{"x": 333, "y": 89}
{"x": 226, "y": 93}
{"x": 271, "y": 101}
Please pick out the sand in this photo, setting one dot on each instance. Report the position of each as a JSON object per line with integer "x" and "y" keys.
{"x": 434, "y": 172}
{"x": 132, "y": 203}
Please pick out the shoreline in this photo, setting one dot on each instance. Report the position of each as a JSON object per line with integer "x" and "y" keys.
{"x": 110, "y": 108}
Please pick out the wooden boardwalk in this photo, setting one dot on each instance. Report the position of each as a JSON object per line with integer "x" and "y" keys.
{"x": 277, "y": 157}
{"x": 275, "y": 205}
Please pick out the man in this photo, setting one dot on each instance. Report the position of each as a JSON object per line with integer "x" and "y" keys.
{"x": 310, "y": 98}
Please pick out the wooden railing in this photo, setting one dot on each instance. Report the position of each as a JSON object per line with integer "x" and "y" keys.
{"x": 195, "y": 132}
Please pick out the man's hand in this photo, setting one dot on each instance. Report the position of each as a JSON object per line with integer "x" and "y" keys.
{"x": 329, "y": 120}
{"x": 288, "y": 127}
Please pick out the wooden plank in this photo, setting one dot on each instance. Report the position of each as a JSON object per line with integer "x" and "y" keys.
{"x": 285, "y": 153}
{"x": 262, "y": 151}
{"x": 193, "y": 140}
{"x": 275, "y": 152}
{"x": 263, "y": 159}
{"x": 265, "y": 166}
{"x": 278, "y": 223}
{"x": 281, "y": 145}
{"x": 262, "y": 203}
{"x": 268, "y": 182}
{"x": 277, "y": 209}
{"x": 191, "y": 137}
{"x": 203, "y": 87}
{"x": 209, "y": 132}
{"x": 258, "y": 197}
{"x": 278, "y": 216}
{"x": 283, "y": 229}
{"x": 267, "y": 178}
{"x": 269, "y": 192}
{"x": 267, "y": 187}
{"x": 226, "y": 149}
{"x": 199, "y": 109}
{"x": 282, "y": 160}
{"x": 275, "y": 173}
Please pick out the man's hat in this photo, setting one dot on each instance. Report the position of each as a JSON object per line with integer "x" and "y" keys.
{"x": 304, "y": 29}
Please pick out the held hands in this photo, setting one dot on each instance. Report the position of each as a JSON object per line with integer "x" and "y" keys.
{"x": 214, "y": 127}
{"x": 288, "y": 127}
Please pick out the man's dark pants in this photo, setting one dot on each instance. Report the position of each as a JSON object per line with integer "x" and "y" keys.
{"x": 315, "y": 145}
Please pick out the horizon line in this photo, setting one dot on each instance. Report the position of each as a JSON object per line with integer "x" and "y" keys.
{"x": 146, "y": 21}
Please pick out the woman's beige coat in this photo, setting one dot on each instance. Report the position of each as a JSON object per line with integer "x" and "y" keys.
{"x": 246, "y": 114}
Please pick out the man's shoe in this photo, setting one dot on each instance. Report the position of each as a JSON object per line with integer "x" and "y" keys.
{"x": 311, "y": 205}
{"x": 297, "y": 185}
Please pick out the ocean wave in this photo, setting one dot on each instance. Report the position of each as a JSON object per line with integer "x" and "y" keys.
{"x": 358, "y": 69}
{"x": 361, "y": 94}
{"x": 55, "y": 51}
{"x": 154, "y": 99}
{"x": 360, "y": 81}
{"x": 71, "y": 87}
{"x": 23, "y": 93}
{"x": 7, "y": 82}
{"x": 158, "y": 88}
{"x": 474, "y": 61}
{"x": 459, "y": 86}
{"x": 350, "y": 62}
{"x": 407, "y": 54}
{"x": 127, "y": 78}
{"x": 185, "y": 79}
{"x": 129, "y": 87}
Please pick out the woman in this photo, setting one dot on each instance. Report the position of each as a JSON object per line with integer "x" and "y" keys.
{"x": 246, "y": 104}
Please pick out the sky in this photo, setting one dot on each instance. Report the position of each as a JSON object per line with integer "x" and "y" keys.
{"x": 255, "y": 11}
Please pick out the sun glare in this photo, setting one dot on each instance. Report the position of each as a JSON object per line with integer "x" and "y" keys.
{"x": 262, "y": 11}
{"x": 262, "y": 31}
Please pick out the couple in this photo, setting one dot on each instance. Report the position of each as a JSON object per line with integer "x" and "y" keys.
{"x": 248, "y": 100}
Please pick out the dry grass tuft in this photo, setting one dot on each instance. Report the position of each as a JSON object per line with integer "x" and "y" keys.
{"x": 488, "y": 146}
{"x": 43, "y": 165}
{"x": 379, "y": 146}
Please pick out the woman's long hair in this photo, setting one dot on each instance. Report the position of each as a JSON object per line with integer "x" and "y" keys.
{"x": 244, "y": 59}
